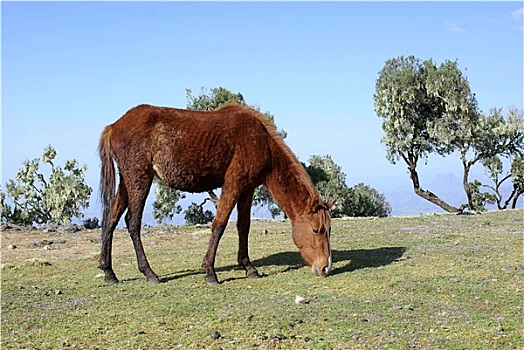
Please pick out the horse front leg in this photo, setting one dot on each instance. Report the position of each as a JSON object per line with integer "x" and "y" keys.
{"x": 226, "y": 204}
{"x": 243, "y": 226}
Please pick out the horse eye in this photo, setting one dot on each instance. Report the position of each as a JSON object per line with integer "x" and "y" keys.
{"x": 315, "y": 230}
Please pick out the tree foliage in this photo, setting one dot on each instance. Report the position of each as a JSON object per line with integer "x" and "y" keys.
{"x": 166, "y": 198}
{"x": 330, "y": 181}
{"x": 37, "y": 199}
{"x": 195, "y": 214}
{"x": 367, "y": 201}
{"x": 517, "y": 171}
{"x": 495, "y": 171}
{"x": 431, "y": 109}
{"x": 359, "y": 200}
{"x": 211, "y": 100}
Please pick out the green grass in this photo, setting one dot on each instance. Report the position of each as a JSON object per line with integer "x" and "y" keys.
{"x": 436, "y": 281}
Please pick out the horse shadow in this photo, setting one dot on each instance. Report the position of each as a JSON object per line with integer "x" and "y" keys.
{"x": 355, "y": 260}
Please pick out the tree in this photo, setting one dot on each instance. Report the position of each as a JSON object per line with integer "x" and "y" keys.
{"x": 330, "y": 181}
{"x": 401, "y": 99}
{"x": 491, "y": 138}
{"x": 495, "y": 171}
{"x": 367, "y": 201}
{"x": 429, "y": 109}
{"x": 359, "y": 200}
{"x": 503, "y": 140}
{"x": 39, "y": 200}
{"x": 165, "y": 206}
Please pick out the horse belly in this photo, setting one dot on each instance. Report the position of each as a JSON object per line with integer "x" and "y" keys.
{"x": 186, "y": 178}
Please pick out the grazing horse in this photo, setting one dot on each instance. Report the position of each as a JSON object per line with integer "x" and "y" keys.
{"x": 233, "y": 147}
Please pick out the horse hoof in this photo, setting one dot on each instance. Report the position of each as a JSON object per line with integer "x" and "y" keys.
{"x": 153, "y": 280}
{"x": 211, "y": 281}
{"x": 111, "y": 279}
{"x": 253, "y": 275}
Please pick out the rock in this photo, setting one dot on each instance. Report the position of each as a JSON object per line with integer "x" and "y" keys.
{"x": 97, "y": 239}
{"x": 202, "y": 226}
{"x": 48, "y": 245}
{"x": 8, "y": 226}
{"x": 216, "y": 335}
{"x": 63, "y": 229}
{"x": 48, "y": 228}
{"x": 35, "y": 244}
{"x": 70, "y": 228}
{"x": 12, "y": 246}
{"x": 300, "y": 300}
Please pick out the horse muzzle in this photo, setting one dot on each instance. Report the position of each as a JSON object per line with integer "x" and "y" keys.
{"x": 322, "y": 272}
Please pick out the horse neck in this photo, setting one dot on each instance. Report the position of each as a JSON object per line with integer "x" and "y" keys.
{"x": 290, "y": 185}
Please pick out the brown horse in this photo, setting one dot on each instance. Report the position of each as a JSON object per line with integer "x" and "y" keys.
{"x": 234, "y": 148}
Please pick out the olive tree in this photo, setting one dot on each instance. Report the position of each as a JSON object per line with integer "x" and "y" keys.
{"x": 495, "y": 171}
{"x": 431, "y": 109}
{"x": 500, "y": 142}
{"x": 37, "y": 199}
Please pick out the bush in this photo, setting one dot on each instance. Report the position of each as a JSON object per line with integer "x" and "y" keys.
{"x": 366, "y": 201}
{"x": 36, "y": 199}
{"x": 91, "y": 224}
{"x": 195, "y": 214}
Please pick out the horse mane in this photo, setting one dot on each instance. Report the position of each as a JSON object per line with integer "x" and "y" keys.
{"x": 292, "y": 163}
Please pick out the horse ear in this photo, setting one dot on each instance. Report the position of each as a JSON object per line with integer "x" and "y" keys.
{"x": 330, "y": 203}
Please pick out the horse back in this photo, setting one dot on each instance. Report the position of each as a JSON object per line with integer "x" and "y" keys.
{"x": 191, "y": 150}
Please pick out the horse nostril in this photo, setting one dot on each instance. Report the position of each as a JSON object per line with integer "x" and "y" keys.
{"x": 326, "y": 270}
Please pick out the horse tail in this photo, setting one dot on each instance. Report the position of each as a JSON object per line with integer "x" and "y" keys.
{"x": 107, "y": 174}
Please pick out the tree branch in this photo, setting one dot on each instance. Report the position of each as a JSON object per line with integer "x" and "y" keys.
{"x": 213, "y": 197}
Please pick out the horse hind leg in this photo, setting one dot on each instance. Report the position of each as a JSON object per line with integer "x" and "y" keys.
{"x": 137, "y": 201}
{"x": 243, "y": 226}
{"x": 109, "y": 225}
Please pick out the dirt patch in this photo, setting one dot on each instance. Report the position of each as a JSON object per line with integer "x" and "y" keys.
{"x": 20, "y": 246}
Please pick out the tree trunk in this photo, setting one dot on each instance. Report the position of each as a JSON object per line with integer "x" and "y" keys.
{"x": 465, "y": 184}
{"x": 506, "y": 203}
{"x": 515, "y": 199}
{"x": 428, "y": 195}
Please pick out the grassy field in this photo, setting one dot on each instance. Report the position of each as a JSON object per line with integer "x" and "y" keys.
{"x": 428, "y": 282}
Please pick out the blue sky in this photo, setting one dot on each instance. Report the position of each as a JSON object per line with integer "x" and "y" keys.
{"x": 70, "y": 68}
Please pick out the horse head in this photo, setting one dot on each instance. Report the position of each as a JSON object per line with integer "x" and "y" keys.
{"x": 311, "y": 233}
